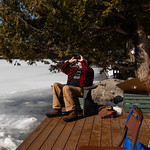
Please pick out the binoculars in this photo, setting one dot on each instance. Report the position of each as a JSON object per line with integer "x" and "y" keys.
{"x": 76, "y": 56}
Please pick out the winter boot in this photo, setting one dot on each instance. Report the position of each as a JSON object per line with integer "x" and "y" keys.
{"x": 54, "y": 113}
{"x": 72, "y": 116}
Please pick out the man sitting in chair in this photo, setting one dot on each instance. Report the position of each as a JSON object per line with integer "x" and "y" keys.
{"x": 78, "y": 78}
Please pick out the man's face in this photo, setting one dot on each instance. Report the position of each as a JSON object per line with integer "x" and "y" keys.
{"x": 79, "y": 64}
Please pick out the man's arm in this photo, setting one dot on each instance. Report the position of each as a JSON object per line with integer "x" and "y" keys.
{"x": 66, "y": 66}
{"x": 84, "y": 64}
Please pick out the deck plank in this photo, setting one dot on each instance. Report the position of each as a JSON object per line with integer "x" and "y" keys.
{"x": 44, "y": 135}
{"x": 106, "y": 139}
{"x": 96, "y": 132}
{"x": 28, "y": 141}
{"x": 61, "y": 141}
{"x": 73, "y": 139}
{"x": 147, "y": 120}
{"x": 52, "y": 138}
{"x": 116, "y": 131}
{"x": 122, "y": 122}
{"x": 144, "y": 135}
{"x": 86, "y": 131}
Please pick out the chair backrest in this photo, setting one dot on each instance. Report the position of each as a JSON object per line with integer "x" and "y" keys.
{"x": 133, "y": 124}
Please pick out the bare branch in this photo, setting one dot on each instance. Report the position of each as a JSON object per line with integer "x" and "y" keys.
{"x": 30, "y": 25}
{"x": 121, "y": 31}
{"x": 101, "y": 28}
{"x": 119, "y": 16}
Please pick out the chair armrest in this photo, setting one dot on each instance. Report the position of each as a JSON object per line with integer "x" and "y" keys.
{"x": 87, "y": 89}
{"x": 90, "y": 87}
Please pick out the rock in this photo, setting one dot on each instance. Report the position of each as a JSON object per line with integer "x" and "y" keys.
{"x": 107, "y": 91}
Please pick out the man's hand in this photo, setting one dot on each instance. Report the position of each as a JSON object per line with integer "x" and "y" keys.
{"x": 82, "y": 93}
{"x": 81, "y": 58}
{"x": 72, "y": 60}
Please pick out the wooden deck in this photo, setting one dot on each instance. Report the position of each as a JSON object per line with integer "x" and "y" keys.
{"x": 55, "y": 134}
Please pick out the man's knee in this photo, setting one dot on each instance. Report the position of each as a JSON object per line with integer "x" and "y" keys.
{"x": 65, "y": 88}
{"x": 55, "y": 84}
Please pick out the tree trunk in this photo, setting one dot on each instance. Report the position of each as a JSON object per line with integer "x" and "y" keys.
{"x": 142, "y": 55}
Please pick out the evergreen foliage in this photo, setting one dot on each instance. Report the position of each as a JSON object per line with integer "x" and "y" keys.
{"x": 40, "y": 29}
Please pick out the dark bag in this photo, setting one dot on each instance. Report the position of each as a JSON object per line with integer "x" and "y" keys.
{"x": 128, "y": 142}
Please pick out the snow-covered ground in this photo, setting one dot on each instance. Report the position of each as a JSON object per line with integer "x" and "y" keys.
{"x": 25, "y": 97}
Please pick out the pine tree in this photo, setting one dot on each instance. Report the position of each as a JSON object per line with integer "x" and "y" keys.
{"x": 57, "y": 29}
